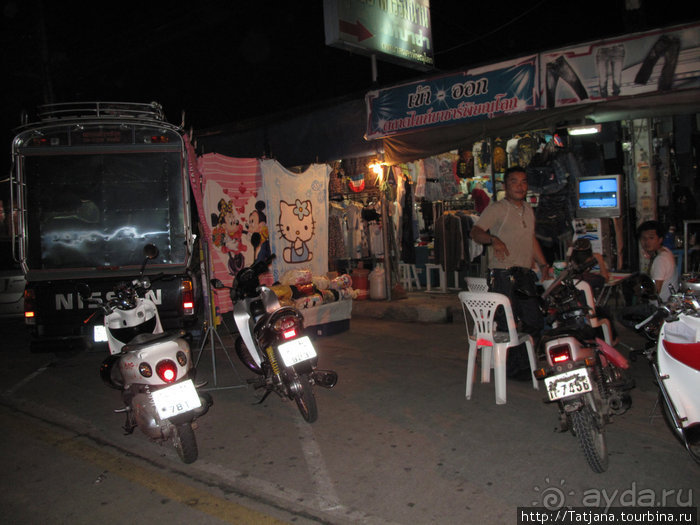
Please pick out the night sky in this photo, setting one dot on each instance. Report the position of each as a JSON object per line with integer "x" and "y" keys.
{"x": 227, "y": 61}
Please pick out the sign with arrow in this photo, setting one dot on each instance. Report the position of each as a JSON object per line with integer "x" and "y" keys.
{"x": 396, "y": 31}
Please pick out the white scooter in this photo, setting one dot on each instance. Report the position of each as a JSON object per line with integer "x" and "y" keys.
{"x": 152, "y": 368}
{"x": 674, "y": 356}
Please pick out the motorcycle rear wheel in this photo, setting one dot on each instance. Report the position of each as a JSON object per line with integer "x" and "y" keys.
{"x": 592, "y": 439}
{"x": 185, "y": 442}
{"x": 305, "y": 400}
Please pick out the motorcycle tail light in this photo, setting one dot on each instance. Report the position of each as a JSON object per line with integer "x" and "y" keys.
{"x": 29, "y": 299}
{"x": 167, "y": 370}
{"x": 181, "y": 358}
{"x": 560, "y": 353}
{"x": 287, "y": 326}
{"x": 187, "y": 297}
{"x": 145, "y": 370}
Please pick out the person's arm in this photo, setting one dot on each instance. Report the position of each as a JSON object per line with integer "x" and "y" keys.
{"x": 481, "y": 236}
{"x": 603, "y": 267}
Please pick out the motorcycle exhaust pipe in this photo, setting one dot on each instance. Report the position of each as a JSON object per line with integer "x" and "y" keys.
{"x": 325, "y": 378}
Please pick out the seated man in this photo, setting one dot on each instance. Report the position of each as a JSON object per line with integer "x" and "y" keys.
{"x": 659, "y": 264}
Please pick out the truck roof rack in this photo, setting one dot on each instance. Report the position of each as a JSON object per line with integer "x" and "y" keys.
{"x": 151, "y": 111}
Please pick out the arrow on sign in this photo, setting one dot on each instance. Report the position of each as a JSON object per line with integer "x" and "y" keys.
{"x": 356, "y": 29}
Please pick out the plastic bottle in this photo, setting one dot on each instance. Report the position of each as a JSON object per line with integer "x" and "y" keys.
{"x": 377, "y": 285}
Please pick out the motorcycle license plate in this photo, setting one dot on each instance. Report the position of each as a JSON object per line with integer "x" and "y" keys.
{"x": 99, "y": 334}
{"x": 570, "y": 383}
{"x": 296, "y": 351}
{"x": 176, "y": 399}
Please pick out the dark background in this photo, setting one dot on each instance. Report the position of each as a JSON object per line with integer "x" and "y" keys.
{"x": 226, "y": 61}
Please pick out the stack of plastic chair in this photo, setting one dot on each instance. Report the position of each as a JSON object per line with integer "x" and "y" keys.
{"x": 596, "y": 322}
{"x": 477, "y": 284}
{"x": 481, "y": 308}
{"x": 408, "y": 276}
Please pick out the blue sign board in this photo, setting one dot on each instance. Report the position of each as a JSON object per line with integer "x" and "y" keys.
{"x": 484, "y": 93}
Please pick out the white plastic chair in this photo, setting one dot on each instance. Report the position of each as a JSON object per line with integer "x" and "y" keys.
{"x": 408, "y": 275}
{"x": 596, "y": 322}
{"x": 477, "y": 284}
{"x": 481, "y": 307}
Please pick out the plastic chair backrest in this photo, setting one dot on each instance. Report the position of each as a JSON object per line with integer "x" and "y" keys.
{"x": 477, "y": 284}
{"x": 482, "y": 308}
{"x": 588, "y": 292}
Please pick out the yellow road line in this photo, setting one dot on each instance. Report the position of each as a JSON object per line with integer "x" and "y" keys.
{"x": 194, "y": 498}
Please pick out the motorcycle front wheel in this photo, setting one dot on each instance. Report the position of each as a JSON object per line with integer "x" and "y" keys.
{"x": 185, "y": 442}
{"x": 591, "y": 436}
{"x": 305, "y": 399}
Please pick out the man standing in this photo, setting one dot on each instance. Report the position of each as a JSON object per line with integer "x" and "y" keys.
{"x": 507, "y": 227}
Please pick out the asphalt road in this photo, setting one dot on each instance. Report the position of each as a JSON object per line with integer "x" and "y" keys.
{"x": 396, "y": 442}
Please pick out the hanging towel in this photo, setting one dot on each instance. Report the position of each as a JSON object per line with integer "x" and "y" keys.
{"x": 234, "y": 210}
{"x": 298, "y": 216}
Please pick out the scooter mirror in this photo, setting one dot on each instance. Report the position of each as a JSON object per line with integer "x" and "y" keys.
{"x": 151, "y": 251}
{"x": 217, "y": 284}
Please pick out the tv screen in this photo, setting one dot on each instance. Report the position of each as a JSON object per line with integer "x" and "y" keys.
{"x": 599, "y": 196}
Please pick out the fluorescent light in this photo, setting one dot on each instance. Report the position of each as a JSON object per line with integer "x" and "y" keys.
{"x": 584, "y": 130}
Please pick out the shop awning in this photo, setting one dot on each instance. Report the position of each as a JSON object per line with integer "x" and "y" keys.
{"x": 412, "y": 146}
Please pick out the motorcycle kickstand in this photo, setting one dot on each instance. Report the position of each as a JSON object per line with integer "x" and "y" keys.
{"x": 267, "y": 393}
{"x": 129, "y": 425}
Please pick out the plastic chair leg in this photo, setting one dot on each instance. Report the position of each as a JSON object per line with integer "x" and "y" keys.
{"x": 471, "y": 359}
{"x": 533, "y": 364}
{"x": 499, "y": 373}
{"x": 486, "y": 364}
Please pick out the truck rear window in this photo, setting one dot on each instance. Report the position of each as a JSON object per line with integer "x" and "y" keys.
{"x": 99, "y": 210}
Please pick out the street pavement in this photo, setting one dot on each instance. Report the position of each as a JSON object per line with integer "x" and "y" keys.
{"x": 396, "y": 441}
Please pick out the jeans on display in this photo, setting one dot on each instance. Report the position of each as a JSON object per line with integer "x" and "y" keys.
{"x": 561, "y": 69}
{"x": 667, "y": 47}
{"x": 609, "y": 62}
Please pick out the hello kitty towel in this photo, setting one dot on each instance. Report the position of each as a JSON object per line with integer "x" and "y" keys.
{"x": 298, "y": 216}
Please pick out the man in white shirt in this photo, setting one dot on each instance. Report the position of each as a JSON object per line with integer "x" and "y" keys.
{"x": 659, "y": 262}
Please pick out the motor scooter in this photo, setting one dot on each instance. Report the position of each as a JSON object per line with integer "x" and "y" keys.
{"x": 271, "y": 342}
{"x": 584, "y": 375}
{"x": 153, "y": 369}
{"x": 673, "y": 353}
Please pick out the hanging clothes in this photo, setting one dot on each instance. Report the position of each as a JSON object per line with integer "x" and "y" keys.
{"x": 298, "y": 207}
{"x": 449, "y": 242}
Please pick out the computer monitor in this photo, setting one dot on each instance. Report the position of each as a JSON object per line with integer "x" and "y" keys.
{"x": 599, "y": 196}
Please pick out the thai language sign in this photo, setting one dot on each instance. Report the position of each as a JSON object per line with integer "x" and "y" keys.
{"x": 484, "y": 93}
{"x": 393, "y": 30}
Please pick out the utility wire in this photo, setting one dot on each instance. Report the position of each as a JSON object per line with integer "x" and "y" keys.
{"x": 503, "y": 26}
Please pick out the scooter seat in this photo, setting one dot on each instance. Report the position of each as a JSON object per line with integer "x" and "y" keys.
{"x": 143, "y": 340}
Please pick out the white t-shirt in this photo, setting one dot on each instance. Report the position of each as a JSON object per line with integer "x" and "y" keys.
{"x": 663, "y": 268}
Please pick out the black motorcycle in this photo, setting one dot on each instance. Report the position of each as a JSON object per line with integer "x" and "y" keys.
{"x": 271, "y": 342}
